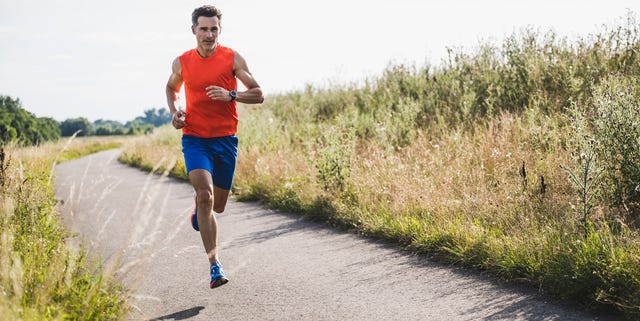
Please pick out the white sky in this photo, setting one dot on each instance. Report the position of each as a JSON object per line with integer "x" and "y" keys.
{"x": 111, "y": 59}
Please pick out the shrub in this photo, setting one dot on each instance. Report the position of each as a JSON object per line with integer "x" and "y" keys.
{"x": 616, "y": 122}
{"x": 335, "y": 149}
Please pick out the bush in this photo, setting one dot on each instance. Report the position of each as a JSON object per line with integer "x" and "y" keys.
{"x": 616, "y": 122}
{"x": 335, "y": 150}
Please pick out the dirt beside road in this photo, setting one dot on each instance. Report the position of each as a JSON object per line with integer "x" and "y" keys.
{"x": 280, "y": 267}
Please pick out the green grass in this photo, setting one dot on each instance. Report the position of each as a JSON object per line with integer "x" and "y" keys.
{"x": 470, "y": 161}
{"x": 40, "y": 277}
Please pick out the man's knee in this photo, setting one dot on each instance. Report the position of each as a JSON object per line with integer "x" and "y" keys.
{"x": 204, "y": 196}
{"x": 218, "y": 208}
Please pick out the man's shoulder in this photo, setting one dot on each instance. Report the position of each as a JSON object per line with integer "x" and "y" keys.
{"x": 187, "y": 53}
{"x": 225, "y": 49}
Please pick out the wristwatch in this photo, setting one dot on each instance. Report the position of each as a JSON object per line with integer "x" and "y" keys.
{"x": 233, "y": 94}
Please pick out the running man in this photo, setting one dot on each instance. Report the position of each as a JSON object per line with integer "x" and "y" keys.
{"x": 209, "y": 123}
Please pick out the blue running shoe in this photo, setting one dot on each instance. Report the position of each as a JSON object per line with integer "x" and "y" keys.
{"x": 194, "y": 214}
{"x": 217, "y": 276}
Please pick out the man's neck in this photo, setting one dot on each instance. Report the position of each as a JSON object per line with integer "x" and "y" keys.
{"x": 206, "y": 52}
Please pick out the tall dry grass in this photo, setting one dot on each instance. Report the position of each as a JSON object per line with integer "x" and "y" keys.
{"x": 40, "y": 277}
{"x": 158, "y": 152}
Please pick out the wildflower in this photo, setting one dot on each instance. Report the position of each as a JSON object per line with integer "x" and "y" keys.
{"x": 288, "y": 185}
{"x": 583, "y": 156}
{"x": 592, "y": 141}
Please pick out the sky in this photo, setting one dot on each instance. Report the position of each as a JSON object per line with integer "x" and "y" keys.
{"x": 111, "y": 59}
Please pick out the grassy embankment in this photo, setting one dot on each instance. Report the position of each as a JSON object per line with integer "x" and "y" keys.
{"x": 41, "y": 278}
{"x": 521, "y": 159}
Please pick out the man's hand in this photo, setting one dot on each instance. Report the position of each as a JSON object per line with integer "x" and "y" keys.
{"x": 218, "y": 93}
{"x": 177, "y": 120}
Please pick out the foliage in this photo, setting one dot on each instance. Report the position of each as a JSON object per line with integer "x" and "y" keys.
{"x": 616, "y": 123}
{"x": 154, "y": 117}
{"x": 40, "y": 278}
{"x": 76, "y": 126}
{"x": 17, "y": 124}
{"x": 101, "y": 127}
{"x": 333, "y": 164}
{"x": 108, "y": 128}
{"x": 586, "y": 173}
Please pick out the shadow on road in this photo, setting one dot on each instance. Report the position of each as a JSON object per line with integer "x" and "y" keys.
{"x": 180, "y": 315}
{"x": 275, "y": 231}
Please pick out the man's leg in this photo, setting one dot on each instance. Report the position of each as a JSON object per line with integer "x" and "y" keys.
{"x": 220, "y": 197}
{"x": 200, "y": 167}
{"x": 203, "y": 185}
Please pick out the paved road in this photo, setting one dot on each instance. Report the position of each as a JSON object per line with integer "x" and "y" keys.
{"x": 280, "y": 267}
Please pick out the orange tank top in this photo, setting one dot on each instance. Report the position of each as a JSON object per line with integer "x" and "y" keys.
{"x": 208, "y": 118}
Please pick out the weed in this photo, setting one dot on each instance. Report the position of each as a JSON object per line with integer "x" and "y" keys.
{"x": 585, "y": 174}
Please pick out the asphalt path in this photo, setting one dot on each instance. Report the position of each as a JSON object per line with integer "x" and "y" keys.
{"x": 281, "y": 267}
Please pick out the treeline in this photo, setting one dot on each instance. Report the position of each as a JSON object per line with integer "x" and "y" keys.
{"x": 18, "y": 124}
{"x": 21, "y": 125}
{"x": 140, "y": 125}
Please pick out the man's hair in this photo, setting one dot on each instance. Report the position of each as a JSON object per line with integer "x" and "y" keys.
{"x": 205, "y": 11}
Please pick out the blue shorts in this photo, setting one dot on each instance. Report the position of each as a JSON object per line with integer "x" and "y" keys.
{"x": 217, "y": 155}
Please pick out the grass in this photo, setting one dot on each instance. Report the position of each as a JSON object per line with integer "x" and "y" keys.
{"x": 470, "y": 161}
{"x": 164, "y": 155}
{"x": 40, "y": 277}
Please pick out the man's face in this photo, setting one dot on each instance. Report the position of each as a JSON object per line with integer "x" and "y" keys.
{"x": 206, "y": 32}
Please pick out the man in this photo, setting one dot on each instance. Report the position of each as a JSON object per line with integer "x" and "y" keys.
{"x": 209, "y": 123}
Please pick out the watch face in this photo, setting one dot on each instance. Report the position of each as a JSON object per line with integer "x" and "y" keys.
{"x": 233, "y": 94}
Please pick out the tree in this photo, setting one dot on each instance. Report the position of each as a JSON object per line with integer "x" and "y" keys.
{"x": 155, "y": 117}
{"x": 49, "y": 128}
{"x": 7, "y": 133}
{"x": 111, "y": 124}
{"x": 20, "y": 125}
{"x": 103, "y": 131}
{"x": 72, "y": 125}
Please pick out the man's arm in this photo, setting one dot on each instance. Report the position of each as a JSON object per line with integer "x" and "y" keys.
{"x": 173, "y": 88}
{"x": 253, "y": 94}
